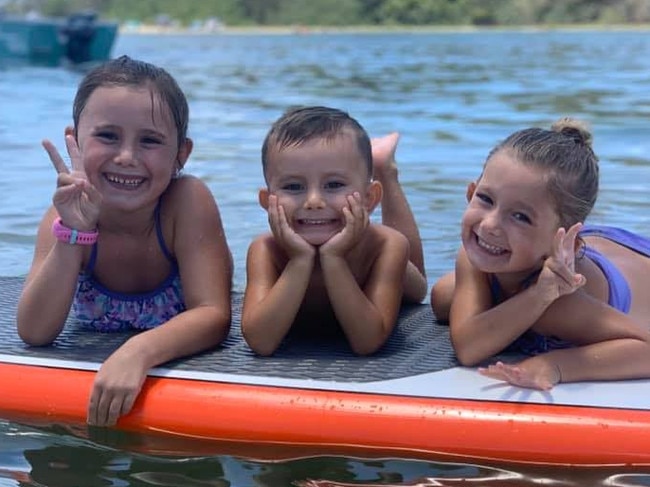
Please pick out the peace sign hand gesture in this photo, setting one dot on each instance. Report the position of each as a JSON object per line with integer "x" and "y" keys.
{"x": 558, "y": 276}
{"x": 75, "y": 199}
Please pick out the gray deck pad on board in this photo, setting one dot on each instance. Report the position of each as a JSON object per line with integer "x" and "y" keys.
{"x": 418, "y": 345}
{"x": 418, "y": 360}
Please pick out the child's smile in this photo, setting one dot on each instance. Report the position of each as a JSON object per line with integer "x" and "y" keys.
{"x": 127, "y": 183}
{"x": 510, "y": 222}
{"x": 317, "y": 231}
{"x": 489, "y": 248}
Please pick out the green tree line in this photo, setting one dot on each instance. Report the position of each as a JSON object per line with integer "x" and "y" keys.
{"x": 355, "y": 12}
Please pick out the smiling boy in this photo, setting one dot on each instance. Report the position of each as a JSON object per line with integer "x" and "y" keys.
{"x": 324, "y": 265}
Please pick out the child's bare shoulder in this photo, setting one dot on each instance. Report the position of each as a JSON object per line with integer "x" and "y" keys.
{"x": 189, "y": 195}
{"x": 382, "y": 241}
{"x": 379, "y": 234}
{"x": 265, "y": 243}
{"x": 186, "y": 185}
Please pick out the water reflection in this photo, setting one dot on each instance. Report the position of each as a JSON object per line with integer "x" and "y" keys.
{"x": 57, "y": 456}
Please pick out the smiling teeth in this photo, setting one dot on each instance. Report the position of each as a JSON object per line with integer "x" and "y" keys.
{"x": 314, "y": 222}
{"x": 125, "y": 181}
{"x": 493, "y": 249}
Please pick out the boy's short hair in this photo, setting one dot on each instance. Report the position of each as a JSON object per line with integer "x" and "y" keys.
{"x": 303, "y": 123}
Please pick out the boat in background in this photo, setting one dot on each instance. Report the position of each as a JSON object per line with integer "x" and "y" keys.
{"x": 77, "y": 39}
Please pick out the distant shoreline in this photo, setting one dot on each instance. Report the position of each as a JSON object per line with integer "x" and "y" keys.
{"x": 147, "y": 29}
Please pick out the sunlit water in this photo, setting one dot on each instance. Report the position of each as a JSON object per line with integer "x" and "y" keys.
{"x": 452, "y": 97}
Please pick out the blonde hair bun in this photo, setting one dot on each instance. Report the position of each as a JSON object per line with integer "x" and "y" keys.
{"x": 575, "y": 129}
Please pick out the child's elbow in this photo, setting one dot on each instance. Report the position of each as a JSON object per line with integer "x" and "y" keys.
{"x": 41, "y": 335}
{"x": 222, "y": 325}
{"x": 466, "y": 356}
{"x": 261, "y": 349}
{"x": 259, "y": 346}
{"x": 368, "y": 347}
{"x": 415, "y": 285}
{"x": 364, "y": 351}
{"x": 33, "y": 338}
{"x": 467, "y": 359}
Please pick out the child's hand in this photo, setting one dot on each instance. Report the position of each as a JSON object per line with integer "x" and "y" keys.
{"x": 531, "y": 373}
{"x": 558, "y": 276}
{"x": 292, "y": 243}
{"x": 76, "y": 200}
{"x": 115, "y": 389}
{"x": 356, "y": 222}
{"x": 383, "y": 153}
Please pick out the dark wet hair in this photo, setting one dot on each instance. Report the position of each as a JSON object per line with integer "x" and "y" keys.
{"x": 125, "y": 71}
{"x": 565, "y": 153}
{"x": 301, "y": 124}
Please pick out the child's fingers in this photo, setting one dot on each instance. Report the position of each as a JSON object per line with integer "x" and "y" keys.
{"x": 273, "y": 211}
{"x": 94, "y": 196}
{"x": 570, "y": 238}
{"x": 282, "y": 217}
{"x": 66, "y": 193}
{"x": 114, "y": 410}
{"x": 55, "y": 157}
{"x": 561, "y": 270}
{"x": 353, "y": 205}
{"x": 359, "y": 212}
{"x": 93, "y": 407}
{"x": 349, "y": 217}
{"x": 73, "y": 152}
{"x": 558, "y": 242}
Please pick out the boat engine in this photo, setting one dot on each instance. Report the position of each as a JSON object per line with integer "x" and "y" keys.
{"x": 78, "y": 33}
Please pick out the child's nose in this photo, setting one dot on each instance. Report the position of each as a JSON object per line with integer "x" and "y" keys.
{"x": 126, "y": 155}
{"x": 314, "y": 200}
{"x": 492, "y": 222}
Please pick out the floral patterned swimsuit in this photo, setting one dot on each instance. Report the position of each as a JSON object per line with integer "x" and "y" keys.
{"x": 101, "y": 309}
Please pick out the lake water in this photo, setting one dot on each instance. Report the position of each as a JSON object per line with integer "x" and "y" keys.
{"x": 451, "y": 95}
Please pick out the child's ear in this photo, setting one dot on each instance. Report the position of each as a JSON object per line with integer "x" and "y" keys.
{"x": 471, "y": 187}
{"x": 373, "y": 195}
{"x": 263, "y": 198}
{"x": 184, "y": 152}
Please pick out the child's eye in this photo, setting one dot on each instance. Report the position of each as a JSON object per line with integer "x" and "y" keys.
{"x": 292, "y": 187}
{"x": 334, "y": 185}
{"x": 151, "y": 140}
{"x": 522, "y": 217}
{"x": 483, "y": 198}
{"x": 107, "y": 136}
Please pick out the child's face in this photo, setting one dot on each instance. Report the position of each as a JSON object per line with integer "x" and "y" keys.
{"x": 312, "y": 181}
{"x": 128, "y": 143}
{"x": 510, "y": 221}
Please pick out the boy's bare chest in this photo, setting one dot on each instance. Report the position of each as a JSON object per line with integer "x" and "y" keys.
{"x": 317, "y": 294}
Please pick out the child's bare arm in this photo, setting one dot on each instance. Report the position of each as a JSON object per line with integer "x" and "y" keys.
{"x": 272, "y": 300}
{"x": 614, "y": 347}
{"x": 480, "y": 329}
{"x": 49, "y": 288}
{"x": 51, "y": 282}
{"x": 368, "y": 315}
{"x": 205, "y": 266}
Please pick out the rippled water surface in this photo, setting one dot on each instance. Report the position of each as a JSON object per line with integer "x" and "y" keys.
{"x": 452, "y": 96}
